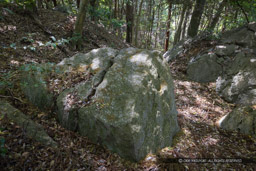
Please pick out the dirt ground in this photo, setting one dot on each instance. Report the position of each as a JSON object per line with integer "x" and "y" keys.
{"x": 24, "y": 40}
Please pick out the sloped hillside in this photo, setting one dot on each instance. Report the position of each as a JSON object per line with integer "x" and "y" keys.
{"x": 44, "y": 37}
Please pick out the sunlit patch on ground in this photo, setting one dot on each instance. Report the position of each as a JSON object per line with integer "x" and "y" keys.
{"x": 199, "y": 107}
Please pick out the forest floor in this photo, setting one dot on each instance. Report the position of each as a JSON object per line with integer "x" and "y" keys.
{"x": 24, "y": 40}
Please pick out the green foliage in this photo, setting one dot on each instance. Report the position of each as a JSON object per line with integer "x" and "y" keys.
{"x": 76, "y": 37}
{"x": 13, "y": 45}
{"x": 6, "y": 82}
{"x": 9, "y": 11}
{"x": 33, "y": 45}
{"x": 102, "y": 13}
{"x": 248, "y": 7}
{"x": 27, "y": 4}
{"x": 117, "y": 23}
{"x": 3, "y": 150}
{"x": 36, "y": 68}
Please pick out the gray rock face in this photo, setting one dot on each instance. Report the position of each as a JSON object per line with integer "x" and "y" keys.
{"x": 252, "y": 26}
{"x": 34, "y": 85}
{"x": 126, "y": 104}
{"x": 244, "y": 36}
{"x": 205, "y": 68}
{"x": 172, "y": 54}
{"x": 225, "y": 50}
{"x": 31, "y": 128}
{"x": 238, "y": 84}
{"x": 241, "y": 119}
{"x": 234, "y": 52}
{"x": 130, "y": 109}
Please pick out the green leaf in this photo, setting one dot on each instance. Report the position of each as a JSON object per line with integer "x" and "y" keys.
{"x": 9, "y": 11}
{"x": 53, "y": 38}
{"x": 32, "y": 48}
{"x": 13, "y": 45}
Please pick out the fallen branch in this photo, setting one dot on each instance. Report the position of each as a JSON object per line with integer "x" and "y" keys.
{"x": 16, "y": 98}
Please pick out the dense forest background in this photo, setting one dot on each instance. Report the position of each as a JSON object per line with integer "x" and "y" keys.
{"x": 152, "y": 24}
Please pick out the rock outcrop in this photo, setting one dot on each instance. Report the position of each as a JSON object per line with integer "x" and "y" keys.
{"x": 123, "y": 100}
{"x": 204, "y": 68}
{"x": 231, "y": 62}
{"x": 31, "y": 129}
{"x": 241, "y": 119}
{"x": 218, "y": 60}
{"x": 34, "y": 85}
{"x": 238, "y": 84}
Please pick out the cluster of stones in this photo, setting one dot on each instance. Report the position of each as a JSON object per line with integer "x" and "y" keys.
{"x": 232, "y": 64}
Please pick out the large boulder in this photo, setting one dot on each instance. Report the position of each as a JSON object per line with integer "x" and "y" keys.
{"x": 238, "y": 83}
{"x": 123, "y": 100}
{"x": 244, "y": 36}
{"x": 205, "y": 68}
{"x": 128, "y": 106}
{"x": 241, "y": 119}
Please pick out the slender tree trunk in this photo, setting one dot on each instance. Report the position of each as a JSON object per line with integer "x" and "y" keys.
{"x": 178, "y": 32}
{"x": 135, "y": 11}
{"x": 129, "y": 21}
{"x": 148, "y": 23}
{"x": 78, "y": 3}
{"x": 196, "y": 18}
{"x": 185, "y": 23}
{"x": 152, "y": 25}
{"x": 217, "y": 16}
{"x": 167, "y": 37}
{"x": 39, "y": 4}
{"x": 115, "y": 9}
{"x": 158, "y": 22}
{"x": 93, "y": 6}
{"x": 225, "y": 21}
{"x": 54, "y": 3}
{"x": 138, "y": 23}
{"x": 210, "y": 12}
{"x": 78, "y": 32}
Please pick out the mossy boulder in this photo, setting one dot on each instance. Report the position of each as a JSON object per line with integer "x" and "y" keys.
{"x": 31, "y": 128}
{"x": 34, "y": 84}
{"x": 128, "y": 105}
{"x": 241, "y": 119}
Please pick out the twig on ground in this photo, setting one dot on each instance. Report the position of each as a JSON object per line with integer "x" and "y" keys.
{"x": 1, "y": 96}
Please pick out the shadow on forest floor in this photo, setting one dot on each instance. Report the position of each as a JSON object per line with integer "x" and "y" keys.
{"x": 199, "y": 107}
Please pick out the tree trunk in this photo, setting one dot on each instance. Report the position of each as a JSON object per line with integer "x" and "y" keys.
{"x": 158, "y": 22}
{"x": 217, "y": 16}
{"x": 196, "y": 17}
{"x": 178, "y": 32}
{"x": 78, "y": 32}
{"x": 78, "y": 3}
{"x": 167, "y": 37}
{"x": 39, "y": 4}
{"x": 137, "y": 23}
{"x": 152, "y": 25}
{"x": 185, "y": 23}
{"x": 93, "y": 5}
{"x": 148, "y": 26}
{"x": 115, "y": 9}
{"x": 225, "y": 20}
{"x": 54, "y": 3}
{"x": 129, "y": 21}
